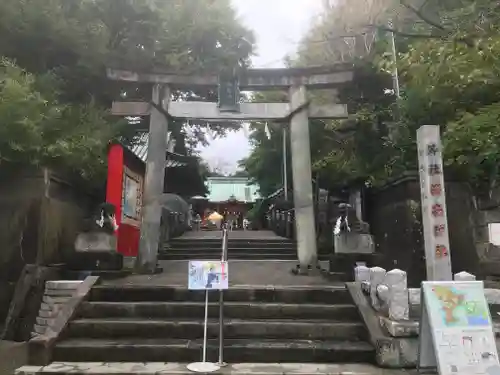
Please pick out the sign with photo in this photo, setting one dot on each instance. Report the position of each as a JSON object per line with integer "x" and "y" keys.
{"x": 131, "y": 197}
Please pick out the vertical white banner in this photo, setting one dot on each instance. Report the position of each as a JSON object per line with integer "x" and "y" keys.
{"x": 433, "y": 199}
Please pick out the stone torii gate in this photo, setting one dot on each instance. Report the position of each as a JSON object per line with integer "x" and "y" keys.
{"x": 298, "y": 111}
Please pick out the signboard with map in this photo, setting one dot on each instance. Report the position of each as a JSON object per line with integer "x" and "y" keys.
{"x": 208, "y": 275}
{"x": 456, "y": 333}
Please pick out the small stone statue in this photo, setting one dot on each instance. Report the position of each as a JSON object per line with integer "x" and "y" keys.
{"x": 350, "y": 234}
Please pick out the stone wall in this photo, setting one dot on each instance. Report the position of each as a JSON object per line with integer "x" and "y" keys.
{"x": 394, "y": 215}
{"x": 40, "y": 215}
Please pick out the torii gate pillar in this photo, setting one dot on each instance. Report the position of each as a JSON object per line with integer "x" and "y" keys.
{"x": 153, "y": 187}
{"x": 302, "y": 179}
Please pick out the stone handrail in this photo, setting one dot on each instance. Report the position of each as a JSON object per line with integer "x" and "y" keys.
{"x": 389, "y": 293}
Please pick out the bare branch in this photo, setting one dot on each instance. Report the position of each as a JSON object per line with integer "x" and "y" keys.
{"x": 407, "y": 35}
{"x": 469, "y": 42}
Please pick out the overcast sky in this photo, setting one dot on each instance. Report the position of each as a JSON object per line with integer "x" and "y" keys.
{"x": 278, "y": 26}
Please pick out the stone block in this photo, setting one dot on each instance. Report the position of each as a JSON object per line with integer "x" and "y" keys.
{"x": 47, "y": 314}
{"x": 50, "y": 307}
{"x": 354, "y": 243}
{"x": 62, "y": 284}
{"x": 59, "y": 292}
{"x": 44, "y": 321}
{"x": 464, "y": 276}
{"x": 398, "y": 303}
{"x": 377, "y": 275}
{"x": 361, "y": 274}
{"x": 407, "y": 328}
{"x": 39, "y": 329}
{"x": 54, "y": 300}
{"x": 95, "y": 242}
{"x": 365, "y": 287}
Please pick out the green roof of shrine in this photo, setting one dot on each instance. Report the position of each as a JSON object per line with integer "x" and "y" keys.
{"x": 223, "y": 189}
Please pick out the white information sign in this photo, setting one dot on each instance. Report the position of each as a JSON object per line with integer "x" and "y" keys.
{"x": 433, "y": 199}
{"x": 456, "y": 333}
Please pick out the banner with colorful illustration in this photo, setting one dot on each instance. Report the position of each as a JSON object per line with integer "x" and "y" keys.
{"x": 208, "y": 275}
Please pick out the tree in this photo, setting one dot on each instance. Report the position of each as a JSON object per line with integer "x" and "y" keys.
{"x": 35, "y": 129}
{"x": 63, "y": 47}
{"x": 448, "y": 76}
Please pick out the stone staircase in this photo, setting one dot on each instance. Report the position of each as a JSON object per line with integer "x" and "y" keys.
{"x": 57, "y": 293}
{"x": 130, "y": 323}
{"x": 238, "y": 249}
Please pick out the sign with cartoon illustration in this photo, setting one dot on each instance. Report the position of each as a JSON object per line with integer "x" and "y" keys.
{"x": 456, "y": 333}
{"x": 208, "y": 275}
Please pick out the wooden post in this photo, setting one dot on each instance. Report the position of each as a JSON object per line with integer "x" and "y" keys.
{"x": 433, "y": 201}
{"x": 153, "y": 183}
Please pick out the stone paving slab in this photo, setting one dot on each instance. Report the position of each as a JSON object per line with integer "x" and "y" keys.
{"x": 157, "y": 368}
{"x": 255, "y": 273}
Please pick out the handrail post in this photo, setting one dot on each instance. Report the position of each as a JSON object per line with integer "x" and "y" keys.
{"x": 225, "y": 240}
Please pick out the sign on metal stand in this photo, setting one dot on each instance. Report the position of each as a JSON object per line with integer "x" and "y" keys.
{"x": 206, "y": 275}
{"x": 456, "y": 333}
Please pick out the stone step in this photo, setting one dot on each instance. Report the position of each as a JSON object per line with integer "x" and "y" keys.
{"x": 137, "y": 293}
{"x": 237, "y": 250}
{"x": 188, "y": 255}
{"x": 233, "y": 329}
{"x": 235, "y": 351}
{"x": 242, "y": 250}
{"x": 232, "y": 245}
{"x": 242, "y": 310}
{"x": 235, "y": 240}
{"x": 237, "y": 258}
{"x": 156, "y": 368}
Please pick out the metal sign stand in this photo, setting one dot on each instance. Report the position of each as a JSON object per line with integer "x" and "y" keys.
{"x": 221, "y": 362}
{"x": 204, "y": 366}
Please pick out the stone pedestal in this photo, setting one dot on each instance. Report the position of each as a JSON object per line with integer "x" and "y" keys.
{"x": 95, "y": 251}
{"x": 354, "y": 243}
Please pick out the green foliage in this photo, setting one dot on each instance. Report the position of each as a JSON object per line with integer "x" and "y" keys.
{"x": 37, "y": 130}
{"x": 449, "y": 76}
{"x": 472, "y": 146}
{"x": 54, "y": 100}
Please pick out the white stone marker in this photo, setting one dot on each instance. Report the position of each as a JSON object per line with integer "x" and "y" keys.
{"x": 464, "y": 276}
{"x": 377, "y": 275}
{"x": 361, "y": 274}
{"x": 399, "y": 306}
{"x": 433, "y": 199}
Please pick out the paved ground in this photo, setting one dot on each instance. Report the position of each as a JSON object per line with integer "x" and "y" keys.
{"x": 236, "y": 234}
{"x": 241, "y": 273}
{"x": 235, "y": 369}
